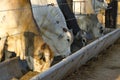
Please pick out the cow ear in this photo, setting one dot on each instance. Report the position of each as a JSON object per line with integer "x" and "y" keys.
{"x": 65, "y": 30}
{"x": 71, "y": 31}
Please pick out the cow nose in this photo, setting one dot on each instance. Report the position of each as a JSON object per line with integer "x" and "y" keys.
{"x": 84, "y": 41}
{"x": 101, "y": 29}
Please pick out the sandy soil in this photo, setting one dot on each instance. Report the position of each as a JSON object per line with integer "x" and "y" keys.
{"x": 105, "y": 67}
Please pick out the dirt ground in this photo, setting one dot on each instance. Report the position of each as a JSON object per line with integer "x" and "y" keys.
{"x": 105, "y": 67}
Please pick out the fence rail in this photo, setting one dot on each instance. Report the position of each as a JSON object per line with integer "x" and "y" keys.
{"x": 80, "y": 3}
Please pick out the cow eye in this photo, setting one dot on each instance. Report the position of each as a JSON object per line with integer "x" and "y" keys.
{"x": 57, "y": 22}
{"x": 68, "y": 40}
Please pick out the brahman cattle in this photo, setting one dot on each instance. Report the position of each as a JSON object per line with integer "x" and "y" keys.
{"x": 71, "y": 21}
{"x": 91, "y": 28}
{"x": 88, "y": 20}
{"x": 89, "y": 24}
{"x": 20, "y": 35}
{"x": 53, "y": 27}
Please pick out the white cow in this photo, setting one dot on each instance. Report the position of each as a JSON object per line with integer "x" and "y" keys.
{"x": 21, "y": 35}
{"x": 90, "y": 26}
{"x": 53, "y": 27}
{"x": 89, "y": 22}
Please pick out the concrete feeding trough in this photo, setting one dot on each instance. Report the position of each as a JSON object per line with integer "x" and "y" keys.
{"x": 12, "y": 68}
{"x": 77, "y": 59}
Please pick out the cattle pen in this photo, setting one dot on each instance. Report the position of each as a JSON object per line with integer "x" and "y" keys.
{"x": 69, "y": 64}
{"x": 98, "y": 60}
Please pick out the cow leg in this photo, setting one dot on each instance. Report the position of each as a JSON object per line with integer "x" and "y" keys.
{"x": 20, "y": 49}
{"x": 20, "y": 46}
{"x": 2, "y": 45}
{"x": 16, "y": 45}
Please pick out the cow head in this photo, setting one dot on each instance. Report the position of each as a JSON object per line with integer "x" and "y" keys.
{"x": 79, "y": 42}
{"x": 98, "y": 31}
{"x": 38, "y": 54}
{"x": 62, "y": 43}
{"x": 99, "y": 4}
{"x": 54, "y": 29}
{"x": 59, "y": 39}
{"x": 42, "y": 58}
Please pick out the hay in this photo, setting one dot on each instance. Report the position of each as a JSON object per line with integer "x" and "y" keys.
{"x": 29, "y": 75}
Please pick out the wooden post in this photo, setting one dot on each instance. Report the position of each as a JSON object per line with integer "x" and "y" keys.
{"x": 118, "y": 15}
{"x": 111, "y": 15}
